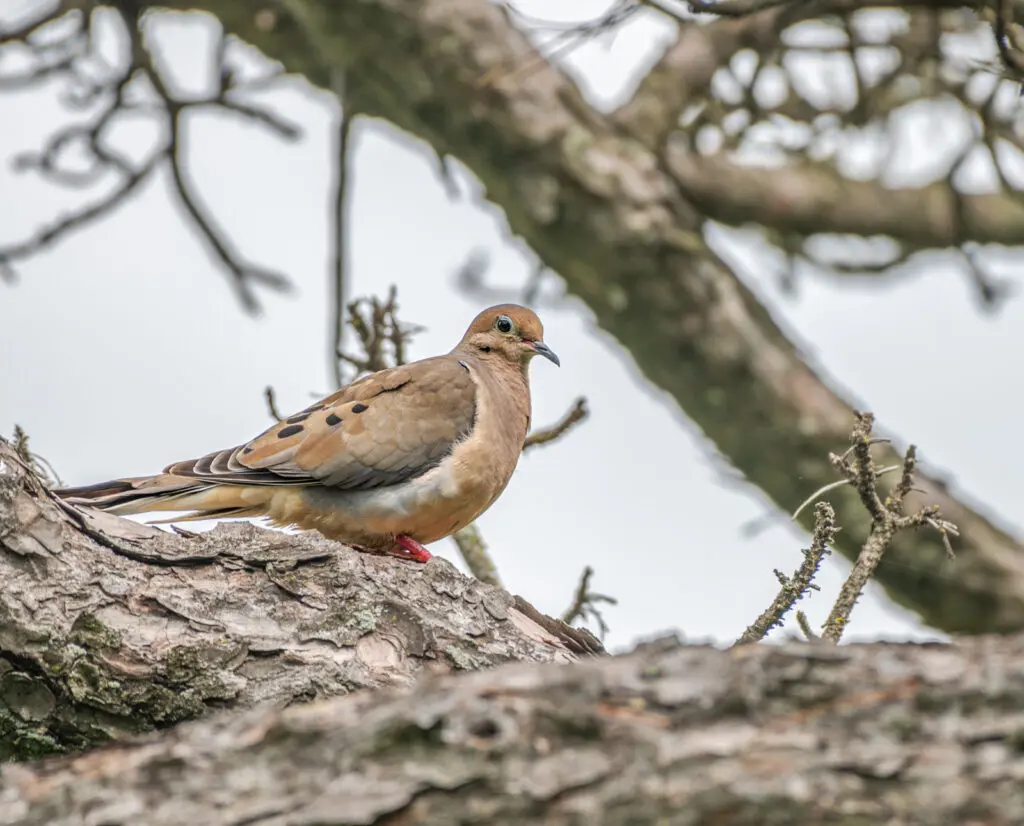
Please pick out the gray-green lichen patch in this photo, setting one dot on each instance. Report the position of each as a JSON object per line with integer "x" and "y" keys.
{"x": 346, "y": 624}
{"x": 24, "y": 741}
{"x": 90, "y": 633}
{"x": 465, "y": 659}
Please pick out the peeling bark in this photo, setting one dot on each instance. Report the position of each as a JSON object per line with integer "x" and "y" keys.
{"x": 109, "y": 628}
{"x": 792, "y": 736}
{"x": 604, "y": 209}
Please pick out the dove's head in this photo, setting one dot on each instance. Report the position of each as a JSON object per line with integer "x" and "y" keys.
{"x": 509, "y": 332}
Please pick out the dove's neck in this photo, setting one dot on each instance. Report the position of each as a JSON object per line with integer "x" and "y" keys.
{"x": 503, "y": 392}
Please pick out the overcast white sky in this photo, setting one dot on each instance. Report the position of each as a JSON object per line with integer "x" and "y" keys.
{"x": 124, "y": 349}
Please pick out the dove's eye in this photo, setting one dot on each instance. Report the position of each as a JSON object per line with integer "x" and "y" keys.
{"x": 503, "y": 324}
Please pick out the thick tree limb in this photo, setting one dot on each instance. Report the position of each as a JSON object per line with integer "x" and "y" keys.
{"x": 913, "y": 735}
{"x": 605, "y": 212}
{"x": 109, "y": 628}
{"x": 802, "y": 198}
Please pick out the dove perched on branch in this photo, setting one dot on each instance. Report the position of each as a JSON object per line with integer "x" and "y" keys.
{"x": 398, "y": 459}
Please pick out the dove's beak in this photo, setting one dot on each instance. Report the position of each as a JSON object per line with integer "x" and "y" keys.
{"x": 543, "y": 350}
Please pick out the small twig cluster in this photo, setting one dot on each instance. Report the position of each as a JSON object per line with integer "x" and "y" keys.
{"x": 381, "y": 338}
{"x": 585, "y": 602}
{"x": 37, "y": 463}
{"x": 888, "y": 517}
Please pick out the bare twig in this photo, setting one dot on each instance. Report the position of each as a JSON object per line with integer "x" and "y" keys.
{"x": 90, "y": 138}
{"x": 805, "y": 627}
{"x": 888, "y": 519}
{"x": 37, "y": 463}
{"x": 61, "y": 227}
{"x": 870, "y": 555}
{"x": 585, "y": 602}
{"x": 577, "y": 413}
{"x": 474, "y": 552}
{"x": 244, "y": 275}
{"x": 340, "y": 220}
{"x": 271, "y": 397}
{"x": 382, "y": 338}
{"x": 833, "y": 486}
{"x": 73, "y": 55}
{"x": 565, "y": 42}
{"x": 793, "y": 588}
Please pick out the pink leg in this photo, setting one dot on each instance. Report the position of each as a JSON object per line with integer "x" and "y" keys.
{"x": 413, "y": 549}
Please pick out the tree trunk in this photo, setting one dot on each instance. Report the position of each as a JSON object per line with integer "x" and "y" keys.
{"x": 799, "y": 735}
{"x": 108, "y": 627}
{"x": 604, "y": 203}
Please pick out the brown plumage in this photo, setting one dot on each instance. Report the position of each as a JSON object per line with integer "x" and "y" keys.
{"x": 400, "y": 458}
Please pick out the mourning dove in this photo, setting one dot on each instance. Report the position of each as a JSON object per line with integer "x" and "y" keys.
{"x": 398, "y": 459}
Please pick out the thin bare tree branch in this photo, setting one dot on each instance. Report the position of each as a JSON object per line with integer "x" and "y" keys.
{"x": 474, "y": 553}
{"x": 576, "y": 414}
{"x": 795, "y": 587}
{"x": 340, "y": 222}
{"x": 585, "y": 602}
{"x": 887, "y": 519}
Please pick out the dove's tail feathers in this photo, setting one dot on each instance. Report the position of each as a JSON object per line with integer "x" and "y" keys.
{"x": 165, "y": 492}
{"x": 213, "y": 513}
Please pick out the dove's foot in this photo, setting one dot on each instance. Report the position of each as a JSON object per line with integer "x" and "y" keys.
{"x": 409, "y": 548}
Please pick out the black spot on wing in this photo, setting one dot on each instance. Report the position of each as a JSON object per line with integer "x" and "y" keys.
{"x": 332, "y": 420}
{"x": 359, "y": 408}
{"x": 291, "y": 430}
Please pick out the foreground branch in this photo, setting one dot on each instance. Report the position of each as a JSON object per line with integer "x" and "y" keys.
{"x": 669, "y": 734}
{"x": 112, "y": 628}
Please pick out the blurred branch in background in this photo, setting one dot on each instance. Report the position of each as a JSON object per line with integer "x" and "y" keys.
{"x": 342, "y": 198}
{"x": 575, "y": 415}
{"x": 64, "y": 46}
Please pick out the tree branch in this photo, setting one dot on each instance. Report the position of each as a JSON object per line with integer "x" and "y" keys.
{"x": 667, "y": 734}
{"x": 808, "y": 198}
{"x": 113, "y": 628}
{"x": 794, "y": 587}
{"x": 474, "y": 553}
{"x": 576, "y": 414}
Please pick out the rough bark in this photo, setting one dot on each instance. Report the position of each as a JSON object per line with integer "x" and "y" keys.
{"x": 605, "y": 210}
{"x": 792, "y": 736}
{"x": 110, "y": 628}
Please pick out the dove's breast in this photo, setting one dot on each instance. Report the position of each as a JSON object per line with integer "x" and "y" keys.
{"x": 439, "y": 502}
